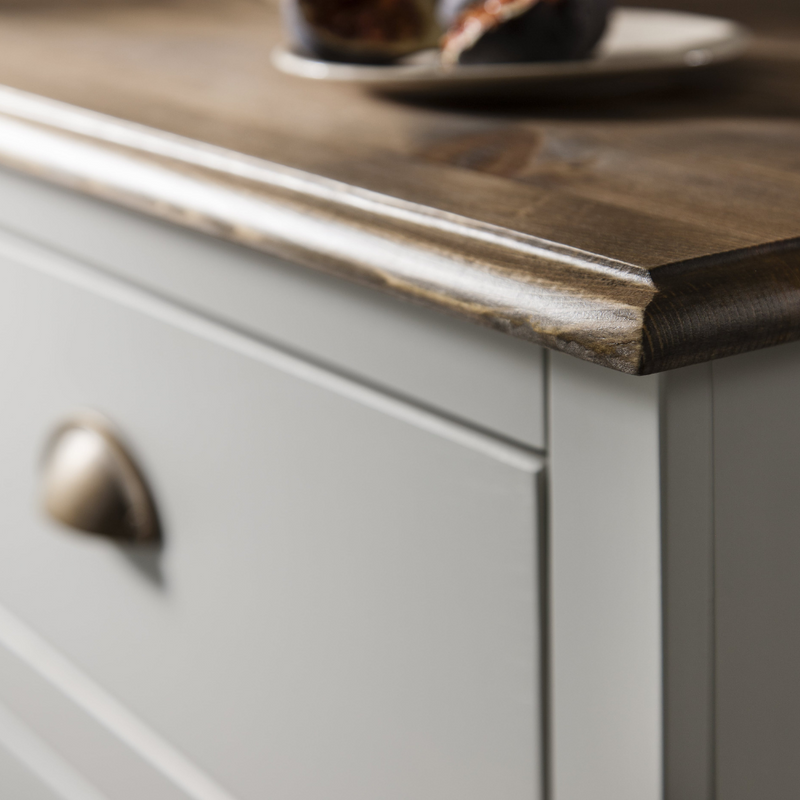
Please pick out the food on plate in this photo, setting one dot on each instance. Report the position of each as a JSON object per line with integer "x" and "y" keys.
{"x": 505, "y": 31}
{"x": 467, "y": 31}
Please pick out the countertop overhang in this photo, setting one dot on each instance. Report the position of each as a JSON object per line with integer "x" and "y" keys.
{"x": 642, "y": 234}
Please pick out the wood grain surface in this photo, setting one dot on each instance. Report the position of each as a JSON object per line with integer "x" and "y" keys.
{"x": 643, "y": 228}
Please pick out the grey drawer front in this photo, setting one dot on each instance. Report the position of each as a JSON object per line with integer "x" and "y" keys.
{"x": 346, "y": 606}
{"x": 17, "y": 781}
{"x": 22, "y": 780}
{"x": 480, "y": 376}
{"x": 32, "y": 770}
{"x": 79, "y": 740}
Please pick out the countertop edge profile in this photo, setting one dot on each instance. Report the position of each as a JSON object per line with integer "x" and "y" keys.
{"x": 615, "y": 314}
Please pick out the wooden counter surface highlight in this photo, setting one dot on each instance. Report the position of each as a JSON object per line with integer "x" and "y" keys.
{"x": 640, "y": 233}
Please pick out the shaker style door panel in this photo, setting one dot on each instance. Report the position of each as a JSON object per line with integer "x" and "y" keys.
{"x": 345, "y": 604}
{"x": 19, "y": 782}
{"x": 103, "y": 750}
{"x": 30, "y": 770}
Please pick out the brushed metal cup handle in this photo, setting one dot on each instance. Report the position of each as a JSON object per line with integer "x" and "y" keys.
{"x": 91, "y": 483}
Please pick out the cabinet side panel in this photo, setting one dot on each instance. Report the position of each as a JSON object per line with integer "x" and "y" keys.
{"x": 757, "y": 491}
{"x": 606, "y": 584}
{"x": 688, "y": 552}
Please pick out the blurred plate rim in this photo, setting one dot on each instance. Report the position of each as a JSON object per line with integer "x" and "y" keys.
{"x": 614, "y": 57}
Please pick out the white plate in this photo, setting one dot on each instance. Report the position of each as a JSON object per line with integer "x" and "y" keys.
{"x": 638, "y": 40}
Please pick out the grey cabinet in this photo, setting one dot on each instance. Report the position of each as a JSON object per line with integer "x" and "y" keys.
{"x": 29, "y": 770}
{"x": 23, "y": 784}
{"x": 347, "y": 601}
{"x": 757, "y": 575}
{"x": 403, "y": 557}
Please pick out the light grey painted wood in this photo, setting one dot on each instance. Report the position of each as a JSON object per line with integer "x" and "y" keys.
{"x": 346, "y": 605}
{"x": 20, "y": 783}
{"x": 605, "y": 575}
{"x": 29, "y": 770}
{"x": 757, "y": 457}
{"x": 483, "y": 377}
{"x": 688, "y": 553}
{"x": 73, "y": 716}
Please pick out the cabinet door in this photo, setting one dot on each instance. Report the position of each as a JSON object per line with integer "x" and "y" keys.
{"x": 30, "y": 770}
{"x": 21, "y": 783}
{"x": 346, "y": 603}
{"x": 17, "y": 781}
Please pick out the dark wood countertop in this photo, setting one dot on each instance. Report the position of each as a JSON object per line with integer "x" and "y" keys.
{"x": 639, "y": 231}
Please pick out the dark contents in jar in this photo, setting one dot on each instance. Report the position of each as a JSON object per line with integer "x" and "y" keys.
{"x": 370, "y": 31}
{"x": 468, "y": 32}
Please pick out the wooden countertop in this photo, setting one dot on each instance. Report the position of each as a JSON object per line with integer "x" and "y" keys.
{"x": 642, "y": 232}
